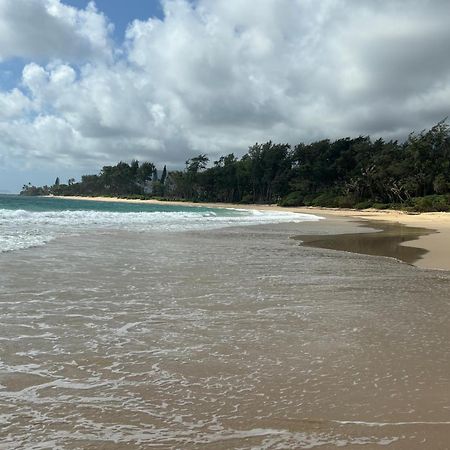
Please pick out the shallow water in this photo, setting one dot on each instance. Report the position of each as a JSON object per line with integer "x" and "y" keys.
{"x": 34, "y": 221}
{"x": 231, "y": 338}
{"x": 386, "y": 240}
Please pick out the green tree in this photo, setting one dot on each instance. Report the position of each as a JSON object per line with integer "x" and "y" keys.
{"x": 145, "y": 172}
{"x": 163, "y": 175}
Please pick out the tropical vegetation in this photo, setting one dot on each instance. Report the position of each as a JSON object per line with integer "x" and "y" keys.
{"x": 345, "y": 173}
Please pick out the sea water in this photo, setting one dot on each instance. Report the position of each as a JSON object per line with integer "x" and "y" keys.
{"x": 117, "y": 334}
{"x": 34, "y": 221}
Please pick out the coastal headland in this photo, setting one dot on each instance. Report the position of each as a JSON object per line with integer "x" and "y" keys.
{"x": 429, "y": 232}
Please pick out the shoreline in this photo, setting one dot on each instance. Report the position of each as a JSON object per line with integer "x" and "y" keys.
{"x": 435, "y": 243}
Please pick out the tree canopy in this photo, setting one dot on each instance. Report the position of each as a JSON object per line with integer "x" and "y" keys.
{"x": 348, "y": 172}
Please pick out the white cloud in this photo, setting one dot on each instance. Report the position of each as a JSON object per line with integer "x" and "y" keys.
{"x": 13, "y": 104}
{"x": 219, "y": 75}
{"x": 46, "y": 29}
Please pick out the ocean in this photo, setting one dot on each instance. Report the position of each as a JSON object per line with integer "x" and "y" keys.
{"x": 128, "y": 326}
{"x": 33, "y": 221}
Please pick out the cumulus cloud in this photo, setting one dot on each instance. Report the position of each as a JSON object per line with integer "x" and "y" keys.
{"x": 46, "y": 29}
{"x": 13, "y": 104}
{"x": 215, "y": 76}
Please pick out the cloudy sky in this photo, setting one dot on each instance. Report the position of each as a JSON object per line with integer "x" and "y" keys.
{"x": 84, "y": 84}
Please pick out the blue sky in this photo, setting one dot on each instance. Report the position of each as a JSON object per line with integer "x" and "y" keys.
{"x": 210, "y": 76}
{"x": 122, "y": 12}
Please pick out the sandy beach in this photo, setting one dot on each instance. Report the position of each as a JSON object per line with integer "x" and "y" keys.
{"x": 130, "y": 329}
{"x": 436, "y": 243}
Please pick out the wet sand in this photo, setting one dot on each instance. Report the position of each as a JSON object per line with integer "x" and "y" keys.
{"x": 387, "y": 240}
{"x": 434, "y": 240}
{"x": 231, "y": 338}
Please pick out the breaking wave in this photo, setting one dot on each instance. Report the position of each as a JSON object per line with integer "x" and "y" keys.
{"x": 20, "y": 229}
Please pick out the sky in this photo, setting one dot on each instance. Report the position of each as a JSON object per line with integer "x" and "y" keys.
{"x": 85, "y": 84}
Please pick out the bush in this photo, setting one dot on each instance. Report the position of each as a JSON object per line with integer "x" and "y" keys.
{"x": 432, "y": 203}
{"x": 344, "y": 202}
{"x": 247, "y": 199}
{"x": 308, "y": 199}
{"x": 293, "y": 199}
{"x": 380, "y": 205}
{"x": 364, "y": 204}
{"x": 423, "y": 204}
{"x": 440, "y": 203}
{"x": 327, "y": 200}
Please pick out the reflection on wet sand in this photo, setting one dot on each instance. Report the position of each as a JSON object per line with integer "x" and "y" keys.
{"x": 386, "y": 241}
{"x": 228, "y": 339}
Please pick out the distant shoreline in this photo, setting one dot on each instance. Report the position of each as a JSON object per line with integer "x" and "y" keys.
{"x": 438, "y": 223}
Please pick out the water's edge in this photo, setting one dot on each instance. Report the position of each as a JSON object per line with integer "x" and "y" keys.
{"x": 386, "y": 240}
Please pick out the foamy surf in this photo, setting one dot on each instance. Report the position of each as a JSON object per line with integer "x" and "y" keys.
{"x": 20, "y": 229}
{"x": 230, "y": 338}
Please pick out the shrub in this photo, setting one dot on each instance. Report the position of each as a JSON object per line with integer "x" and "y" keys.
{"x": 380, "y": 205}
{"x": 344, "y": 202}
{"x": 423, "y": 204}
{"x": 247, "y": 199}
{"x": 441, "y": 202}
{"x": 326, "y": 199}
{"x": 308, "y": 199}
{"x": 293, "y": 199}
{"x": 432, "y": 203}
{"x": 364, "y": 204}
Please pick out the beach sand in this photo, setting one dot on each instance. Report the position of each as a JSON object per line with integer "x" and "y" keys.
{"x": 226, "y": 338}
{"x": 434, "y": 237}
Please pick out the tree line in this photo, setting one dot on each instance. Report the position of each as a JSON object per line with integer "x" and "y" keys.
{"x": 347, "y": 173}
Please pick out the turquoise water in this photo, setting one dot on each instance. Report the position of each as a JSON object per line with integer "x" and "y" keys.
{"x": 33, "y": 221}
{"x": 36, "y": 204}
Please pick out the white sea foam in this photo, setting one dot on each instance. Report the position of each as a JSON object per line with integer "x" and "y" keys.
{"x": 10, "y": 241}
{"x": 21, "y": 229}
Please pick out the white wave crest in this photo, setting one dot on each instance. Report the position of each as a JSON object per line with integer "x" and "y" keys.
{"x": 23, "y": 229}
